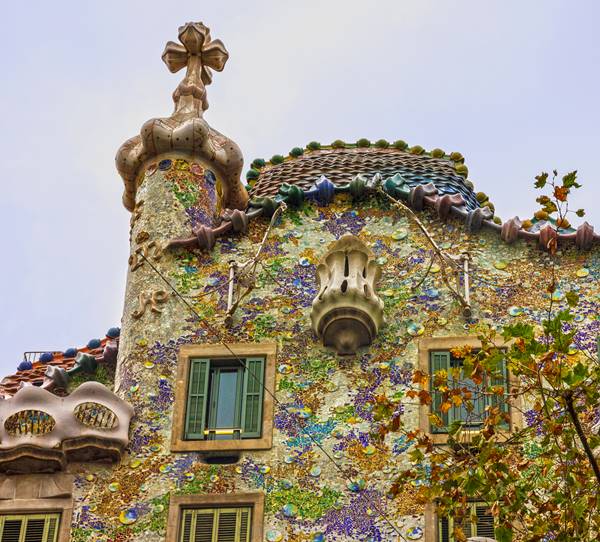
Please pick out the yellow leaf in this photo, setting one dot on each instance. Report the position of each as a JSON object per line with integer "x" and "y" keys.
{"x": 445, "y": 407}
{"x": 434, "y": 419}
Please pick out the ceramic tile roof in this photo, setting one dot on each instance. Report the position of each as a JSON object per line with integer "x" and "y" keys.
{"x": 34, "y": 372}
{"x": 341, "y": 165}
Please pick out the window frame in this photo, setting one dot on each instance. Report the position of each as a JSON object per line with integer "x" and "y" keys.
{"x": 432, "y": 521}
{"x": 179, "y": 503}
{"x": 433, "y": 344}
{"x": 187, "y": 353}
{"x": 33, "y": 496}
{"x": 26, "y": 518}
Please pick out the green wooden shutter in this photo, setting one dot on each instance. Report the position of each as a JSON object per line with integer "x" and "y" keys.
{"x": 11, "y": 528}
{"x": 485, "y": 521}
{"x": 253, "y": 398}
{"x": 244, "y": 525}
{"x": 443, "y": 530}
{"x": 29, "y": 528}
{"x": 439, "y": 361}
{"x": 215, "y": 525}
{"x": 195, "y": 413}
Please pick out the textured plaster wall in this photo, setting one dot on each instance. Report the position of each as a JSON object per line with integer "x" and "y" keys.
{"x": 329, "y": 397}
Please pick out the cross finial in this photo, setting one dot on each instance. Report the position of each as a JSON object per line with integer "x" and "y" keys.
{"x": 199, "y": 53}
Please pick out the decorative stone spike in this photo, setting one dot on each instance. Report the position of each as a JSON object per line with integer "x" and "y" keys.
{"x": 323, "y": 191}
{"x": 397, "y": 187}
{"x": 357, "y": 187}
{"x": 84, "y": 363}
{"x": 267, "y": 204}
{"x": 475, "y": 218}
{"x": 347, "y": 312}
{"x": 206, "y": 238}
{"x": 293, "y": 195}
{"x": 111, "y": 349}
{"x": 417, "y": 195}
{"x": 584, "y": 236}
{"x": 445, "y": 202}
{"x": 547, "y": 237}
{"x": 238, "y": 219}
{"x": 55, "y": 377}
{"x": 375, "y": 182}
{"x": 510, "y": 230}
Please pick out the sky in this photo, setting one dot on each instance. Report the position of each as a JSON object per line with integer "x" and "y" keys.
{"x": 512, "y": 85}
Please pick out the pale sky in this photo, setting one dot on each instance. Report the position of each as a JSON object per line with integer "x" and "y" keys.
{"x": 513, "y": 85}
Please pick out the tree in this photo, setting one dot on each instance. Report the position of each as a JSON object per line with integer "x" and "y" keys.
{"x": 540, "y": 482}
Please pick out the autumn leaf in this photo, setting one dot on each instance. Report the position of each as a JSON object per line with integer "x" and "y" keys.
{"x": 561, "y": 193}
{"x": 459, "y": 535}
{"x": 425, "y": 397}
{"x": 419, "y": 377}
{"x": 445, "y": 407}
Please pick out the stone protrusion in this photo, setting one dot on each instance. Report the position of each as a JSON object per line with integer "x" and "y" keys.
{"x": 510, "y": 230}
{"x": 347, "y": 313}
{"x": 584, "y": 237}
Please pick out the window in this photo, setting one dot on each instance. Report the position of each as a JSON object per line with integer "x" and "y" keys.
{"x": 223, "y": 517}
{"x": 480, "y": 523}
{"x": 29, "y": 528}
{"x": 224, "y": 398}
{"x": 435, "y": 355}
{"x": 443, "y": 360}
{"x": 216, "y": 525}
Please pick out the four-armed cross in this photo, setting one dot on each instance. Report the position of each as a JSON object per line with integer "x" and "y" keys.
{"x": 199, "y": 54}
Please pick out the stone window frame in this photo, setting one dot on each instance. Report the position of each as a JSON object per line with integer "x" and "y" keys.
{"x": 268, "y": 350}
{"x": 428, "y": 344}
{"x": 34, "y": 494}
{"x": 431, "y": 524}
{"x": 178, "y": 503}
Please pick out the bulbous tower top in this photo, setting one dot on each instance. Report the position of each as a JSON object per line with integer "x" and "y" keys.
{"x": 186, "y": 133}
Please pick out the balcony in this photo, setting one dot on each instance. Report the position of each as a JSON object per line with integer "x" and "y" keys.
{"x": 41, "y": 432}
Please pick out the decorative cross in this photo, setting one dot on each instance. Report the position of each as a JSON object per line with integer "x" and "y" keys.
{"x": 199, "y": 54}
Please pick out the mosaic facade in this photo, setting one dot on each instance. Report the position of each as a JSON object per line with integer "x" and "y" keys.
{"x": 322, "y": 398}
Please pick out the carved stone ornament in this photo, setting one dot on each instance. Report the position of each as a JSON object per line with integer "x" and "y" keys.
{"x": 347, "y": 313}
{"x": 185, "y": 132}
{"x": 41, "y": 432}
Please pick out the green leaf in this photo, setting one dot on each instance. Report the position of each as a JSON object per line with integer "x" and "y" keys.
{"x": 416, "y": 455}
{"x": 454, "y": 427}
{"x": 572, "y": 299}
{"x": 580, "y": 213}
{"x": 519, "y": 330}
{"x": 570, "y": 180}
{"x": 540, "y": 180}
{"x": 503, "y": 534}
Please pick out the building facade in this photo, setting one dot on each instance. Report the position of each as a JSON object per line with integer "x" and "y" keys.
{"x": 262, "y": 321}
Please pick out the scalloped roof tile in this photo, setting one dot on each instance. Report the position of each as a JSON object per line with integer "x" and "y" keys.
{"x": 341, "y": 165}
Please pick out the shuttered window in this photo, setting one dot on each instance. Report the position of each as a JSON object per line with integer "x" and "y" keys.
{"x": 443, "y": 360}
{"x": 225, "y": 399}
{"x": 216, "y": 525}
{"x": 483, "y": 526}
{"x": 29, "y": 528}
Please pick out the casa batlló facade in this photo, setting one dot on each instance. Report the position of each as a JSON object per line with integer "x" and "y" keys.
{"x": 262, "y": 319}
